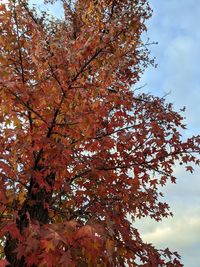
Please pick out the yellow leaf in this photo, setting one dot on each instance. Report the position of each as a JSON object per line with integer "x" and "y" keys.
{"x": 47, "y": 245}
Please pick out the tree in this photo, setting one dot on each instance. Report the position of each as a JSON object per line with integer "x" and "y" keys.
{"x": 82, "y": 154}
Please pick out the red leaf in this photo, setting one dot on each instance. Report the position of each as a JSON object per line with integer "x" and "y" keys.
{"x": 190, "y": 169}
{"x": 3, "y": 263}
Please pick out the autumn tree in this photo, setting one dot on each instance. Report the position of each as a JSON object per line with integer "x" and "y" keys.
{"x": 83, "y": 155}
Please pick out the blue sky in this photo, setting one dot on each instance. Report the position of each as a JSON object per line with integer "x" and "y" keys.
{"x": 175, "y": 26}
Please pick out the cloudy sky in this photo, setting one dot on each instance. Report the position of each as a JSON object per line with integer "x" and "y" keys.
{"x": 175, "y": 26}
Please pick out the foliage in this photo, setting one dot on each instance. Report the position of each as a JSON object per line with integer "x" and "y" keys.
{"x": 82, "y": 155}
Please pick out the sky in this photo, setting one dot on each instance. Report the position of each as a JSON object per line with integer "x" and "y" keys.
{"x": 174, "y": 25}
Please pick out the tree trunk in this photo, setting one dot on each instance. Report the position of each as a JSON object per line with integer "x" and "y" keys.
{"x": 35, "y": 207}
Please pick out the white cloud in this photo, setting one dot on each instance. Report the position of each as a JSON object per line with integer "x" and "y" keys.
{"x": 180, "y": 233}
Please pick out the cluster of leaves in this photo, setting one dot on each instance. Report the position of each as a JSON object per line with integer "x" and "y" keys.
{"x": 80, "y": 152}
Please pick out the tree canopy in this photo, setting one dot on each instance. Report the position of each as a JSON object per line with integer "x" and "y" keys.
{"x": 83, "y": 154}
